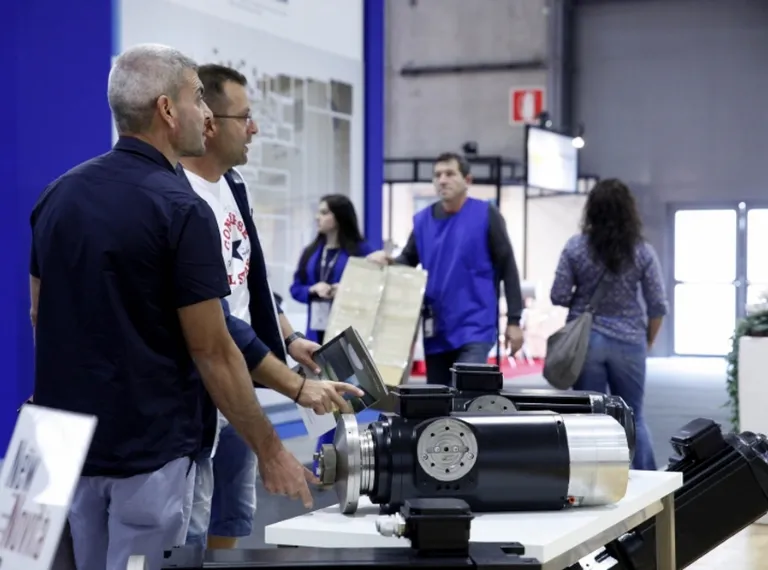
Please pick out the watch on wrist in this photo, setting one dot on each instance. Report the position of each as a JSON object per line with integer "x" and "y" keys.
{"x": 293, "y": 336}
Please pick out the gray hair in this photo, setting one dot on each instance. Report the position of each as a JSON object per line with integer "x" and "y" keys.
{"x": 138, "y": 77}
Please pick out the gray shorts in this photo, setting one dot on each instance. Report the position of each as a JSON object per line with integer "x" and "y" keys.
{"x": 112, "y": 519}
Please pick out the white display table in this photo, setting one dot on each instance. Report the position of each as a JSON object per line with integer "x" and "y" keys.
{"x": 557, "y": 539}
{"x": 753, "y": 387}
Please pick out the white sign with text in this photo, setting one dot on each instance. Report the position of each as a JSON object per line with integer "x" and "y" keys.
{"x": 38, "y": 478}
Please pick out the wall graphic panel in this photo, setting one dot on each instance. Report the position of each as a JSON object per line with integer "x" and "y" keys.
{"x": 305, "y": 71}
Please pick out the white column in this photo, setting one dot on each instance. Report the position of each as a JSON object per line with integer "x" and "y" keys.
{"x": 753, "y": 387}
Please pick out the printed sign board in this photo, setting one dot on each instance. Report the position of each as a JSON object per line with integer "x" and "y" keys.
{"x": 37, "y": 481}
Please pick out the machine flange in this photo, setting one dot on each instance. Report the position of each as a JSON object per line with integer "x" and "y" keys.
{"x": 326, "y": 460}
{"x": 348, "y": 468}
{"x": 492, "y": 404}
{"x": 447, "y": 449}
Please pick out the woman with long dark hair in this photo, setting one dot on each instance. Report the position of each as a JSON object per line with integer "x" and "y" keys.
{"x": 323, "y": 261}
{"x": 611, "y": 248}
{"x": 321, "y": 265}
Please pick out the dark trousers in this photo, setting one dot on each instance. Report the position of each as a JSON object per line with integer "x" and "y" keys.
{"x": 65, "y": 557}
{"x": 439, "y": 364}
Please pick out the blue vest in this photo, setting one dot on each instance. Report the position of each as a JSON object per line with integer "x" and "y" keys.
{"x": 461, "y": 285}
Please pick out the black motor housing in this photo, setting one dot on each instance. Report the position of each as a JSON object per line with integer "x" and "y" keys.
{"x": 479, "y": 388}
{"x": 725, "y": 489}
{"x": 522, "y": 462}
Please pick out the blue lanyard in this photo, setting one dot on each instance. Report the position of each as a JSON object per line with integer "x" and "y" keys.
{"x": 326, "y": 266}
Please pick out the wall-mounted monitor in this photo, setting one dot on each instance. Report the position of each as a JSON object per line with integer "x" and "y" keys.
{"x": 551, "y": 160}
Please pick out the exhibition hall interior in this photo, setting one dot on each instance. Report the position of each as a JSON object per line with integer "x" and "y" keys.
{"x": 519, "y": 242}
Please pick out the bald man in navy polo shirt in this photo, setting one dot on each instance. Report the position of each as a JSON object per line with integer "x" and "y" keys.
{"x": 126, "y": 279}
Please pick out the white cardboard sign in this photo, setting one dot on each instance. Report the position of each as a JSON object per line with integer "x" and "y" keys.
{"x": 37, "y": 480}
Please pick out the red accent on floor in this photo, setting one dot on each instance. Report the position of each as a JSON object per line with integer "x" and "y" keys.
{"x": 523, "y": 367}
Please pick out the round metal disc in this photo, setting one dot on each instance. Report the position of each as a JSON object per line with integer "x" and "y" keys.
{"x": 447, "y": 449}
{"x": 490, "y": 404}
{"x": 347, "y": 444}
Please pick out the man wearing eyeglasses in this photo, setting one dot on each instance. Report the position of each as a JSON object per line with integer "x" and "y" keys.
{"x": 225, "y": 486}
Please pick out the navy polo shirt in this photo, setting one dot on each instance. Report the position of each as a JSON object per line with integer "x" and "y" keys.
{"x": 120, "y": 243}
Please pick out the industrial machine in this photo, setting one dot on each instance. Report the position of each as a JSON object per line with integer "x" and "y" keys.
{"x": 480, "y": 389}
{"x": 725, "y": 489}
{"x": 526, "y": 461}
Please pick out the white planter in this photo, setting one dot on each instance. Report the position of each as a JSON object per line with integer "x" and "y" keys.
{"x": 753, "y": 388}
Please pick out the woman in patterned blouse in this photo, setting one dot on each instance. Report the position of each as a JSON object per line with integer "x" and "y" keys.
{"x": 629, "y": 316}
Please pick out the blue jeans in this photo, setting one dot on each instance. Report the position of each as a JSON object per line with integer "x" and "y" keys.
{"x": 234, "y": 486}
{"x": 618, "y": 367}
{"x": 224, "y": 500}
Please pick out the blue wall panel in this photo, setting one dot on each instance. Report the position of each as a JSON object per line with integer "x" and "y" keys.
{"x": 10, "y": 225}
{"x": 56, "y": 98}
{"x": 374, "y": 46}
{"x": 56, "y": 111}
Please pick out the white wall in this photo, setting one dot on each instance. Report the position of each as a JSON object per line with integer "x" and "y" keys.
{"x": 428, "y": 114}
{"x": 304, "y": 63}
{"x": 551, "y": 221}
{"x": 334, "y": 26}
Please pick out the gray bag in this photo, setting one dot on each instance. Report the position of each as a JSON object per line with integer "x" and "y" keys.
{"x": 567, "y": 347}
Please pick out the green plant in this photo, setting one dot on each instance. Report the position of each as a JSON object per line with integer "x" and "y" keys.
{"x": 754, "y": 324}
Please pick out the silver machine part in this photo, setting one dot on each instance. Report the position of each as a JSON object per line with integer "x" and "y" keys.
{"x": 491, "y": 404}
{"x": 350, "y": 468}
{"x": 326, "y": 459}
{"x": 447, "y": 449}
{"x": 599, "y": 459}
{"x": 137, "y": 562}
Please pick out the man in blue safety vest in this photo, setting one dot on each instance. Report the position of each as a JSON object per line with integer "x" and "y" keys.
{"x": 463, "y": 244}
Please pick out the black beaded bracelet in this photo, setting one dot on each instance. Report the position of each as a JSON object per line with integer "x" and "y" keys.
{"x": 298, "y": 395}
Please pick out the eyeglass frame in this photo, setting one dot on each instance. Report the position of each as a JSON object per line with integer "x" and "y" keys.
{"x": 247, "y": 118}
